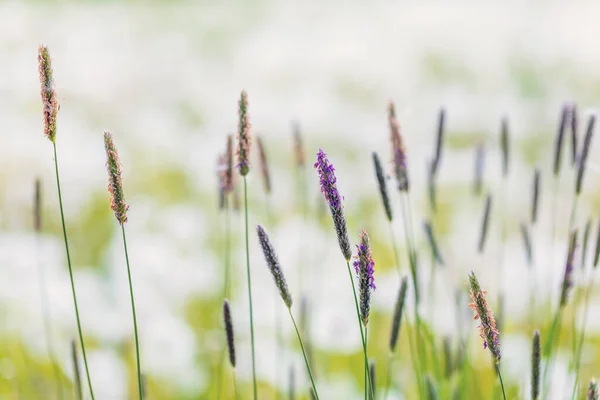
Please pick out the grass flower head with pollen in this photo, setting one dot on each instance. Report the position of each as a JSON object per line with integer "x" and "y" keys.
{"x": 364, "y": 266}
{"x": 334, "y": 200}
{"x": 483, "y": 312}
{"x": 115, "y": 184}
{"x": 244, "y": 135}
{"x": 48, "y": 92}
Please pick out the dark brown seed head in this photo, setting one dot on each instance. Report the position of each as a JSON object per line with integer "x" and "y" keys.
{"x": 244, "y": 135}
{"x": 274, "y": 266}
{"x": 527, "y": 243}
{"x": 535, "y": 366}
{"x": 435, "y": 251}
{"x": 485, "y": 223}
{"x": 439, "y": 142}
{"x": 567, "y": 282}
{"x": 48, "y": 92}
{"x": 229, "y": 332}
{"x": 574, "y": 134}
{"x": 562, "y": 125}
{"x": 584, "y": 153}
{"x": 37, "y": 206}
{"x": 381, "y": 181}
{"x": 264, "y": 165}
{"x": 115, "y": 184}
{"x": 597, "y": 249}
{"x": 398, "y": 312}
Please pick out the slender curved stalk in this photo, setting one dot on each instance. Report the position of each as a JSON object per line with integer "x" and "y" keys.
{"x": 312, "y": 381}
{"x": 366, "y": 369}
{"x": 362, "y": 335}
{"x": 135, "y": 328}
{"x": 255, "y": 390}
{"x": 582, "y": 335}
{"x": 64, "y": 229}
{"x": 45, "y": 305}
{"x": 500, "y": 378}
{"x": 388, "y": 376}
{"x": 554, "y": 330}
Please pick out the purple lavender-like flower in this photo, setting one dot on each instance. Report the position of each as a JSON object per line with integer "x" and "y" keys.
{"x": 334, "y": 200}
{"x": 365, "y": 270}
{"x": 567, "y": 282}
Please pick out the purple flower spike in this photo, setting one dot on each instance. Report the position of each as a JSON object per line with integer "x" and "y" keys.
{"x": 365, "y": 270}
{"x": 334, "y": 200}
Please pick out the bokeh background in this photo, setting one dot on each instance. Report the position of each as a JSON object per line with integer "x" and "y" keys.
{"x": 165, "y": 79}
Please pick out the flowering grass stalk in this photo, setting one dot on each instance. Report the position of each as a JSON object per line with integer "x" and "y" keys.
{"x": 364, "y": 266}
{"x": 535, "y": 366}
{"x": 395, "y": 331}
{"x": 401, "y": 173}
{"x": 120, "y": 207}
{"x": 275, "y": 268}
{"x": 487, "y": 327}
{"x": 43, "y": 289}
{"x": 244, "y": 144}
{"x": 50, "y": 110}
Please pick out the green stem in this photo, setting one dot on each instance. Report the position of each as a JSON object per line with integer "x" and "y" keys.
{"x": 366, "y": 366}
{"x": 135, "y": 329}
{"x": 64, "y": 229}
{"x": 45, "y": 300}
{"x": 250, "y": 289}
{"x": 582, "y": 335}
{"x": 362, "y": 335}
{"x": 312, "y": 381}
{"x": 549, "y": 345}
{"x": 500, "y": 378}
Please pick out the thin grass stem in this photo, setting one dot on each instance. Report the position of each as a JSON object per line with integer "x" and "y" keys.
{"x": 226, "y": 283}
{"x": 255, "y": 390}
{"x": 501, "y": 382}
{"x": 362, "y": 335}
{"x": 312, "y": 381}
{"x": 135, "y": 328}
{"x": 577, "y": 362}
{"x": 64, "y": 229}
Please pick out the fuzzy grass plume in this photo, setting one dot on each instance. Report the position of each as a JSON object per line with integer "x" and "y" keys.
{"x": 264, "y": 165}
{"x": 584, "y": 153}
{"x": 329, "y": 189}
{"x": 274, "y": 266}
{"x": 364, "y": 265}
{"x": 487, "y": 323}
{"x": 479, "y": 167}
{"x": 567, "y": 282}
{"x": 48, "y": 92}
{"x": 229, "y": 332}
{"x": 485, "y": 223}
{"x": 535, "y": 196}
{"x": 115, "y": 183}
{"x": 505, "y": 146}
{"x": 398, "y": 150}
{"x": 535, "y": 365}
{"x": 560, "y": 134}
{"x": 244, "y": 135}
{"x": 398, "y": 312}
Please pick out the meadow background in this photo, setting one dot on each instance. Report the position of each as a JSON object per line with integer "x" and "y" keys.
{"x": 165, "y": 79}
